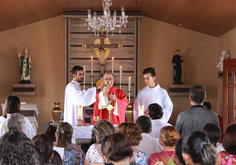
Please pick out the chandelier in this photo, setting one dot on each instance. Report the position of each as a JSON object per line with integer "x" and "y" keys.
{"x": 106, "y": 22}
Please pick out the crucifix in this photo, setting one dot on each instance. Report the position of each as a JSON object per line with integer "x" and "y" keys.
{"x": 102, "y": 48}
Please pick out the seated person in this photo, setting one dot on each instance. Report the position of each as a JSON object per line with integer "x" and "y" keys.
{"x": 16, "y": 121}
{"x": 73, "y": 153}
{"x": 116, "y": 150}
{"x": 44, "y": 146}
{"x": 51, "y": 133}
{"x": 155, "y": 112}
{"x": 12, "y": 105}
{"x": 133, "y": 133}
{"x": 148, "y": 144}
{"x": 197, "y": 149}
{"x": 213, "y": 132}
{"x": 99, "y": 131}
{"x": 169, "y": 137}
{"x": 16, "y": 148}
{"x": 178, "y": 158}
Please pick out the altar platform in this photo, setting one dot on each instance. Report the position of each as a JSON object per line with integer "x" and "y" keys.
{"x": 83, "y": 134}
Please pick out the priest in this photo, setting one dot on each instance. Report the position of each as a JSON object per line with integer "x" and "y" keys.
{"x": 75, "y": 96}
{"x": 118, "y": 100}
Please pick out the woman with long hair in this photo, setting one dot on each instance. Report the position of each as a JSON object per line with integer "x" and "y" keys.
{"x": 197, "y": 149}
{"x": 73, "y": 153}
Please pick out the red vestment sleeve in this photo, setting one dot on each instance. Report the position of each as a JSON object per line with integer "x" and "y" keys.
{"x": 122, "y": 103}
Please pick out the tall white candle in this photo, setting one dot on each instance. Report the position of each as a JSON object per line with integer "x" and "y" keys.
{"x": 80, "y": 112}
{"x": 120, "y": 74}
{"x": 129, "y": 83}
{"x": 112, "y": 65}
{"x": 84, "y": 73}
{"x": 140, "y": 110}
{"x": 91, "y": 65}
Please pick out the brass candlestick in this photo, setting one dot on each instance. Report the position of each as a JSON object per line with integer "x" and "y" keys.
{"x": 80, "y": 115}
{"x": 91, "y": 80}
{"x": 120, "y": 84}
{"x": 84, "y": 85}
{"x": 109, "y": 107}
{"x": 129, "y": 91}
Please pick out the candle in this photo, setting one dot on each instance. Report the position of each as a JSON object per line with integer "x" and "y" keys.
{"x": 129, "y": 83}
{"x": 112, "y": 65}
{"x": 84, "y": 72}
{"x": 120, "y": 74}
{"x": 140, "y": 110}
{"x": 91, "y": 65}
{"x": 80, "y": 112}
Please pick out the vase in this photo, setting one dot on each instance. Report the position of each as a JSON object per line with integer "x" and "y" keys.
{"x": 56, "y": 112}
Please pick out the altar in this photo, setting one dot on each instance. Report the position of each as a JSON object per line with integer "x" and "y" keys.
{"x": 82, "y": 134}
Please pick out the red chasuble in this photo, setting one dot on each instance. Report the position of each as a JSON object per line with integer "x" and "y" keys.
{"x": 122, "y": 104}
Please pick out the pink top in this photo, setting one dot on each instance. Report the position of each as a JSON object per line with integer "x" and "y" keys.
{"x": 227, "y": 158}
{"x": 158, "y": 157}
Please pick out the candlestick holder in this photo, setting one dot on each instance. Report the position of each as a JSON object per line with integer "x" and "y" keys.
{"x": 91, "y": 80}
{"x": 120, "y": 84}
{"x": 84, "y": 85}
{"x": 129, "y": 91}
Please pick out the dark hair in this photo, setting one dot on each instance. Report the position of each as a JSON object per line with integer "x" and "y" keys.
{"x": 178, "y": 151}
{"x": 207, "y": 105}
{"x": 213, "y": 132}
{"x": 132, "y": 131}
{"x": 51, "y": 132}
{"x": 44, "y": 144}
{"x": 56, "y": 159}
{"x": 12, "y": 104}
{"x": 198, "y": 146}
{"x": 229, "y": 142}
{"x": 16, "y": 148}
{"x": 155, "y": 111}
{"x": 150, "y": 70}
{"x": 169, "y": 136}
{"x": 64, "y": 134}
{"x": 145, "y": 123}
{"x": 101, "y": 129}
{"x": 197, "y": 93}
{"x": 116, "y": 147}
{"x": 76, "y": 68}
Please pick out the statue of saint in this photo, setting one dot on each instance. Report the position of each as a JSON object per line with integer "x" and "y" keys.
{"x": 102, "y": 54}
{"x": 220, "y": 64}
{"x": 177, "y": 60}
{"x": 25, "y": 64}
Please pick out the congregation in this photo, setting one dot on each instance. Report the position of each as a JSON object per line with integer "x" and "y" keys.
{"x": 149, "y": 140}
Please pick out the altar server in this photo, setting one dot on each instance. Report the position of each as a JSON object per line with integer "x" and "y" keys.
{"x": 74, "y": 96}
{"x": 153, "y": 93}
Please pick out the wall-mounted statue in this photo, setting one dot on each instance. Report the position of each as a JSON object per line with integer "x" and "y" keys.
{"x": 25, "y": 64}
{"x": 222, "y": 57}
{"x": 177, "y": 60}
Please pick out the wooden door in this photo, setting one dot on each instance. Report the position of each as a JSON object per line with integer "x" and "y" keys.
{"x": 229, "y": 93}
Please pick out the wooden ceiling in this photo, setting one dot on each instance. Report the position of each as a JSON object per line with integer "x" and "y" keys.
{"x": 212, "y": 17}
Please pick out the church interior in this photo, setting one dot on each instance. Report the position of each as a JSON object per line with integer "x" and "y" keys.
{"x": 200, "y": 29}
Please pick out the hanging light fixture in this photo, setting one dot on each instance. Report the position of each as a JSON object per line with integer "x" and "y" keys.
{"x": 105, "y": 21}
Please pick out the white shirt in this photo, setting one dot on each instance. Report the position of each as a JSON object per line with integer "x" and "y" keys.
{"x": 75, "y": 96}
{"x": 94, "y": 154}
{"x": 157, "y": 125}
{"x": 147, "y": 96}
{"x": 27, "y": 127}
{"x": 149, "y": 144}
